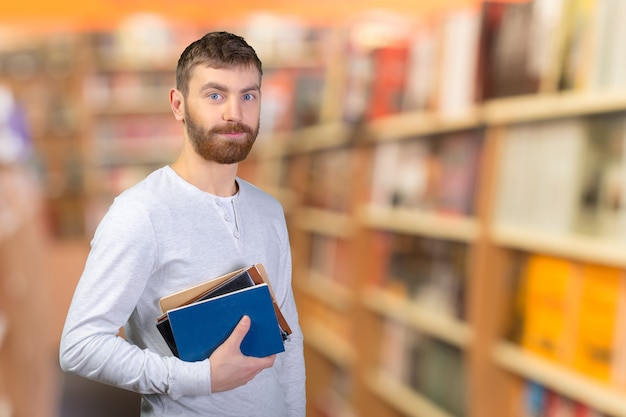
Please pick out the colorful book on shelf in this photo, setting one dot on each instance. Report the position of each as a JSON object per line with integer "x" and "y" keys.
{"x": 422, "y": 67}
{"x": 506, "y": 49}
{"x": 541, "y": 174}
{"x": 603, "y": 194}
{"x": 601, "y": 295}
{"x": 550, "y": 305}
{"x": 457, "y": 52}
{"x": 223, "y": 291}
{"x": 458, "y": 155}
{"x": 534, "y": 400}
{"x": 388, "y": 86}
{"x": 439, "y": 373}
{"x": 402, "y": 174}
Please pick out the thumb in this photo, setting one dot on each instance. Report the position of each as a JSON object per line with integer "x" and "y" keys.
{"x": 240, "y": 331}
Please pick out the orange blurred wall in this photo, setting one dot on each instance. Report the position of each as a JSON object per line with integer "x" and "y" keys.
{"x": 91, "y": 14}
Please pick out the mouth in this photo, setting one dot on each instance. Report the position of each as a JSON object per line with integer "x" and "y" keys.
{"x": 233, "y": 135}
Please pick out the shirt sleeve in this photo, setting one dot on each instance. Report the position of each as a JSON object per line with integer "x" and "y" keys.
{"x": 123, "y": 253}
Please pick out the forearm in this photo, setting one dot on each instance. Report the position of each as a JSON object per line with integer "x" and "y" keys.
{"x": 107, "y": 358}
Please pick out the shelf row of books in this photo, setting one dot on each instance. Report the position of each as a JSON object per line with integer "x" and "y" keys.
{"x": 397, "y": 64}
{"x": 437, "y": 173}
{"x": 538, "y": 401}
{"x": 562, "y": 177}
{"x": 429, "y": 272}
{"x": 432, "y": 368}
{"x": 135, "y": 138}
{"x": 572, "y": 312}
{"x": 565, "y": 176}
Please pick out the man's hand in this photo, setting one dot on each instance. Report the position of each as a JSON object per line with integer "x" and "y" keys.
{"x": 229, "y": 367}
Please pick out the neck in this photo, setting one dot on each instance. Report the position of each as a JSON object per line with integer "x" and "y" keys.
{"x": 208, "y": 176}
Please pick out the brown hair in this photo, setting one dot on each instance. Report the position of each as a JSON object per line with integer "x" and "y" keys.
{"x": 215, "y": 50}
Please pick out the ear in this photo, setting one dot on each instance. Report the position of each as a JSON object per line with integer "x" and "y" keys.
{"x": 177, "y": 103}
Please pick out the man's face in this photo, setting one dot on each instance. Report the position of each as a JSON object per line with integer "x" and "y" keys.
{"x": 222, "y": 112}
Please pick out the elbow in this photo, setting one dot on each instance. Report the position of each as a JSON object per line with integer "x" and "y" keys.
{"x": 67, "y": 357}
{"x": 74, "y": 354}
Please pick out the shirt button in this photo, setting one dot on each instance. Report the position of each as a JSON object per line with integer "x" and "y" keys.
{"x": 236, "y": 234}
{"x": 227, "y": 218}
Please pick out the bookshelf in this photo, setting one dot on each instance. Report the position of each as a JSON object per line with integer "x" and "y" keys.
{"x": 131, "y": 130}
{"x": 603, "y": 398}
{"x": 303, "y": 157}
{"x": 495, "y": 363}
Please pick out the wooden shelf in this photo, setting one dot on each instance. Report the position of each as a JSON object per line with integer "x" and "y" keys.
{"x": 527, "y": 108}
{"x": 403, "y": 398}
{"x": 317, "y": 138}
{"x": 567, "y": 382}
{"x": 326, "y": 222}
{"x": 457, "y": 228}
{"x": 327, "y": 343}
{"x": 326, "y": 291}
{"x": 448, "y": 329}
{"x": 583, "y": 248}
{"x": 405, "y": 125}
{"x": 550, "y": 106}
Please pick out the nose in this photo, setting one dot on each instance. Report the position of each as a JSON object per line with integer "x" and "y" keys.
{"x": 232, "y": 111}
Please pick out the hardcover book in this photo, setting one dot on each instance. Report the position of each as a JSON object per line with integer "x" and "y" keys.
{"x": 201, "y": 327}
{"x": 228, "y": 284}
{"x": 238, "y": 281}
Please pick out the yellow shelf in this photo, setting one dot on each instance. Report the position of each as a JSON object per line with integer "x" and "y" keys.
{"x": 558, "y": 378}
{"x": 440, "y": 326}
{"x": 581, "y": 248}
{"x": 403, "y": 398}
{"x": 458, "y": 228}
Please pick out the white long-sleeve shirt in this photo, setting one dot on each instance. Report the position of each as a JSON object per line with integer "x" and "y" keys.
{"x": 159, "y": 237}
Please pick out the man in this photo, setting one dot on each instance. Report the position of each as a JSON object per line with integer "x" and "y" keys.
{"x": 181, "y": 225}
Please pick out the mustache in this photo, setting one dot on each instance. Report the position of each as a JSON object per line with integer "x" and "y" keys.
{"x": 232, "y": 128}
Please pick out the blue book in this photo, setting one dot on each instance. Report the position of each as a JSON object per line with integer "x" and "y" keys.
{"x": 201, "y": 327}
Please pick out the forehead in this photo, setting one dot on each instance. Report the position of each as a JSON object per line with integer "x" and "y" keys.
{"x": 233, "y": 78}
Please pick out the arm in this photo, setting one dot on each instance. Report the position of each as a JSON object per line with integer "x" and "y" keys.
{"x": 124, "y": 253}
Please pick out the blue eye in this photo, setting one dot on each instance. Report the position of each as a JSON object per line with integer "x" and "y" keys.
{"x": 248, "y": 97}
{"x": 215, "y": 96}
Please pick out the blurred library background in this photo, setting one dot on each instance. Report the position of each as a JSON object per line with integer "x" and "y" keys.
{"x": 453, "y": 175}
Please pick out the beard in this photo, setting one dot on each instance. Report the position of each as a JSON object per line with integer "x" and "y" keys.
{"x": 209, "y": 146}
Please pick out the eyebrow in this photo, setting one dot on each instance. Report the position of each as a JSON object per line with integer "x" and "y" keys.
{"x": 221, "y": 87}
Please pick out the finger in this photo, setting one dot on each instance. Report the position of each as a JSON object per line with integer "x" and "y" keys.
{"x": 240, "y": 331}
